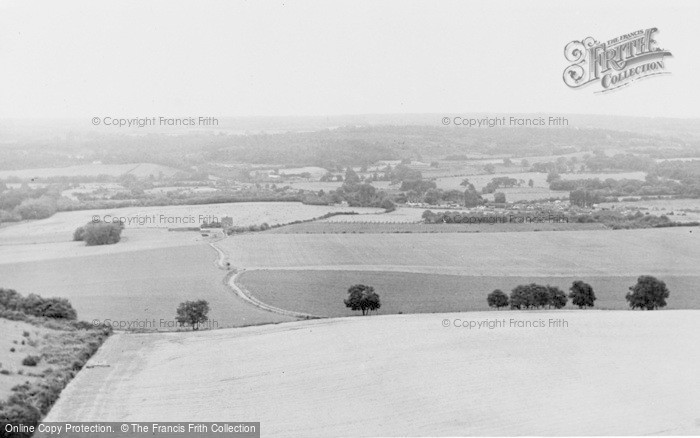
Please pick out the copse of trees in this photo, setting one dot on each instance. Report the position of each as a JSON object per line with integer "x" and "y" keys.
{"x": 497, "y": 299}
{"x": 582, "y": 294}
{"x": 362, "y": 297}
{"x": 99, "y": 233}
{"x": 501, "y": 181}
{"x": 535, "y": 296}
{"x": 649, "y": 293}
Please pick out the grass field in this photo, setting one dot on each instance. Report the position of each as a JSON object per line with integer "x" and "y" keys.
{"x": 381, "y": 225}
{"x": 516, "y": 194}
{"x": 141, "y": 285}
{"x": 321, "y": 292}
{"x": 60, "y": 227}
{"x": 35, "y": 249}
{"x": 669, "y": 251}
{"x": 606, "y": 373}
{"x": 684, "y": 210}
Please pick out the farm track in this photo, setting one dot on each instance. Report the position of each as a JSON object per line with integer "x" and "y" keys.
{"x": 241, "y": 292}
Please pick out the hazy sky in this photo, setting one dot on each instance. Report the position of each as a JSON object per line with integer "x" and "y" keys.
{"x": 241, "y": 58}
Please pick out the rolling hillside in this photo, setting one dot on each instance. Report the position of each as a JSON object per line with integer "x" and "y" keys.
{"x": 606, "y": 373}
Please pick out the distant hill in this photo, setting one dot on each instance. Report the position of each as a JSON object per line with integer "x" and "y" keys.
{"x": 139, "y": 170}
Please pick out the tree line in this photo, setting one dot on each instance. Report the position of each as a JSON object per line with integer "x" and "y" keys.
{"x": 649, "y": 293}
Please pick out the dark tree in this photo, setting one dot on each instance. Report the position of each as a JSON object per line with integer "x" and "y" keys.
{"x": 582, "y": 294}
{"x": 193, "y": 313}
{"x": 497, "y": 299}
{"x": 99, "y": 233}
{"x": 499, "y": 198}
{"x": 530, "y": 296}
{"x": 557, "y": 297}
{"x": 649, "y": 293}
{"x": 540, "y": 295}
{"x": 521, "y": 297}
{"x": 471, "y": 197}
{"x": 364, "y": 298}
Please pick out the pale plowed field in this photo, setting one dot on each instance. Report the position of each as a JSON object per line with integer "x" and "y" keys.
{"x": 607, "y": 373}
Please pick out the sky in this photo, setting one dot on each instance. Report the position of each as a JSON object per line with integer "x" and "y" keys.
{"x": 303, "y": 58}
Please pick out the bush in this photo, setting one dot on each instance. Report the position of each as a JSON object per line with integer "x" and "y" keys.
{"x": 497, "y": 299}
{"x": 9, "y": 298}
{"x": 35, "y": 305}
{"x": 79, "y": 234}
{"x": 649, "y": 293}
{"x": 36, "y": 208}
{"x": 582, "y": 294}
{"x": 59, "y": 308}
{"x": 31, "y": 361}
{"x": 101, "y": 233}
{"x": 19, "y": 413}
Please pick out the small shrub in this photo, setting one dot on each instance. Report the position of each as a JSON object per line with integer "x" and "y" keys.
{"x": 5, "y": 372}
{"x": 12, "y": 350}
{"x": 79, "y": 234}
{"x": 31, "y": 361}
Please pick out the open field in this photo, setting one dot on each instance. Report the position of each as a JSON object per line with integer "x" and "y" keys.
{"x": 668, "y": 251}
{"x": 401, "y": 214}
{"x": 60, "y": 227}
{"x": 132, "y": 240}
{"x": 139, "y": 170}
{"x": 539, "y": 179}
{"x": 684, "y": 210}
{"x": 480, "y": 181}
{"x": 321, "y": 292}
{"x": 378, "y": 227}
{"x": 315, "y": 172}
{"x": 407, "y": 375}
{"x": 143, "y": 285}
{"x": 516, "y": 194}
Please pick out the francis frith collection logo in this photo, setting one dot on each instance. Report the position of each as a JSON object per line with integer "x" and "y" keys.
{"x": 615, "y": 63}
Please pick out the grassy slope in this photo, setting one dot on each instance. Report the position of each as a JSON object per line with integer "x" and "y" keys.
{"x": 610, "y": 373}
{"x": 322, "y": 292}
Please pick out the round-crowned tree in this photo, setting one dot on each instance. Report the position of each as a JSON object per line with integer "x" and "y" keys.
{"x": 497, "y": 299}
{"x": 582, "y": 294}
{"x": 557, "y": 297}
{"x": 364, "y": 298}
{"x": 649, "y": 293}
{"x": 192, "y": 313}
